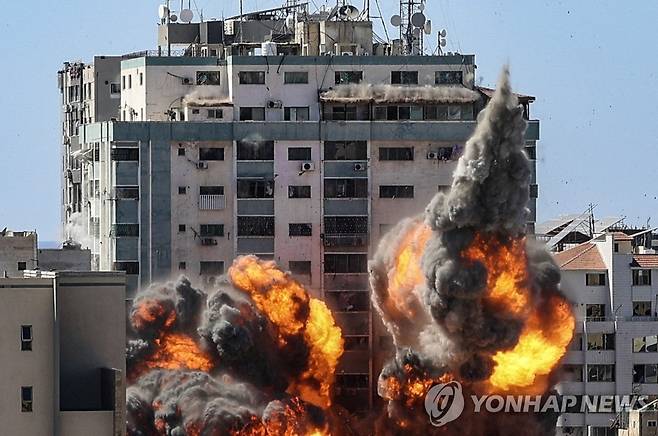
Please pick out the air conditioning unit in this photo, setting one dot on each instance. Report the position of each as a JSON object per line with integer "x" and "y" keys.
{"x": 202, "y": 165}
{"x": 186, "y": 81}
{"x": 208, "y": 241}
{"x": 308, "y": 166}
{"x": 360, "y": 167}
{"x": 274, "y": 104}
{"x": 433, "y": 155}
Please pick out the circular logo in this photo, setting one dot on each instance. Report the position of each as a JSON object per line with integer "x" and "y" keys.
{"x": 444, "y": 403}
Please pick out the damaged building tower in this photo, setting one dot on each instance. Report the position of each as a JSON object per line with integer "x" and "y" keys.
{"x": 294, "y": 135}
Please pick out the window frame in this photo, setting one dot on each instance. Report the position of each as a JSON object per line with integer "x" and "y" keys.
{"x": 259, "y": 80}
{"x": 287, "y": 75}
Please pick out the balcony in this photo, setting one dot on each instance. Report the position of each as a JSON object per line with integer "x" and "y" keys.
{"x": 212, "y": 202}
{"x": 346, "y": 240}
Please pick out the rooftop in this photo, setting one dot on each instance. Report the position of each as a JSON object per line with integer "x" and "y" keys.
{"x": 581, "y": 257}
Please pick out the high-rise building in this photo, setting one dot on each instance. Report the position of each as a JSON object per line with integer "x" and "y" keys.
{"x": 612, "y": 281}
{"x": 294, "y": 136}
{"x": 62, "y": 347}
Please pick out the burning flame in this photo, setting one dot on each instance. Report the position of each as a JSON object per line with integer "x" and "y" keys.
{"x": 178, "y": 351}
{"x": 283, "y": 301}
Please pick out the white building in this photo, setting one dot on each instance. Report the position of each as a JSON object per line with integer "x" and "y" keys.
{"x": 614, "y": 288}
{"x": 62, "y": 348}
{"x": 298, "y": 141}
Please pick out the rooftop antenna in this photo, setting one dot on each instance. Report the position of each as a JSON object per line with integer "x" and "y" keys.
{"x": 241, "y": 18}
{"x": 412, "y": 22}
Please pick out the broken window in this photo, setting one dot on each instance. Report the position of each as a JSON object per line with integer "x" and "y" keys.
{"x": 128, "y": 267}
{"x": 207, "y": 78}
{"x": 182, "y": 190}
{"x": 211, "y": 153}
{"x": 641, "y": 277}
{"x": 125, "y": 230}
{"x": 340, "y": 225}
{"x": 435, "y": 112}
{"x": 124, "y": 154}
{"x": 126, "y": 193}
{"x": 295, "y": 113}
{"x": 345, "y": 188}
{"x": 345, "y": 77}
{"x": 21, "y": 266}
{"x": 573, "y": 373}
{"x": 396, "y": 191}
{"x": 348, "y": 301}
{"x": 211, "y": 268}
{"x": 255, "y": 188}
{"x": 295, "y": 77}
{"x": 182, "y": 265}
{"x": 255, "y": 150}
{"x": 534, "y": 191}
{"x": 448, "y": 77}
{"x": 252, "y": 114}
{"x": 299, "y": 191}
{"x": 299, "y": 153}
{"x": 645, "y": 344}
{"x": 645, "y": 373}
{"x": 531, "y": 152}
{"x": 577, "y": 342}
{"x": 454, "y": 113}
{"x": 601, "y": 373}
{"x": 345, "y": 150}
{"x": 255, "y": 226}
{"x": 182, "y": 228}
{"x": 356, "y": 343}
{"x": 396, "y": 153}
{"x": 352, "y": 381}
{"x": 300, "y": 267}
{"x": 26, "y": 338}
{"x": 595, "y": 312}
{"x": 345, "y": 263}
{"x": 300, "y": 229}
{"x": 595, "y": 279}
{"x": 641, "y": 308}
{"x": 115, "y": 88}
{"x": 252, "y": 77}
{"x": 211, "y": 230}
{"x": 404, "y": 77}
{"x": 211, "y": 190}
{"x": 600, "y": 341}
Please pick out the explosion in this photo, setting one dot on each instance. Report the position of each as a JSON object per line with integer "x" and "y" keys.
{"x": 465, "y": 295}
{"x": 255, "y": 357}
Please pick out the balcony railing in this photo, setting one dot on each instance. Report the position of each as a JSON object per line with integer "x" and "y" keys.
{"x": 212, "y": 202}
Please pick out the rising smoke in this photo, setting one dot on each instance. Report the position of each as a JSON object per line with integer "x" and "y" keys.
{"x": 381, "y": 93}
{"x": 460, "y": 288}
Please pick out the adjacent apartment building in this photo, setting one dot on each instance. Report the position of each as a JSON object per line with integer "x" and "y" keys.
{"x": 292, "y": 135}
{"x": 62, "y": 348}
{"x": 612, "y": 281}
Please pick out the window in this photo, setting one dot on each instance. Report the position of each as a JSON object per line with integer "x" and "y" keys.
{"x": 211, "y": 190}
{"x": 448, "y": 77}
{"x": 406, "y": 191}
{"x": 249, "y": 150}
{"x": 531, "y": 152}
{"x": 299, "y": 153}
{"x": 595, "y": 279}
{"x": 573, "y": 373}
{"x": 601, "y": 373}
{"x": 124, "y": 154}
{"x": 360, "y": 343}
{"x": 128, "y": 267}
{"x": 212, "y": 230}
{"x": 255, "y": 188}
{"x": 641, "y": 277}
{"x": 141, "y": 79}
{"x": 252, "y": 77}
{"x": 345, "y": 77}
{"x": 651, "y": 423}
{"x": 343, "y": 113}
{"x": 301, "y": 267}
{"x": 126, "y": 193}
{"x": 534, "y": 191}
{"x": 300, "y": 229}
{"x": 182, "y": 266}
{"x": 435, "y": 112}
{"x": 345, "y": 150}
{"x": 299, "y": 191}
{"x": 115, "y": 88}
{"x": 125, "y": 230}
{"x": 26, "y": 338}
{"x": 26, "y": 398}
{"x": 123, "y": 82}
{"x": 345, "y": 263}
{"x": 252, "y": 114}
{"x": 616, "y": 247}
{"x": 600, "y": 341}
{"x": 337, "y": 225}
{"x": 207, "y": 78}
{"x": 255, "y": 226}
{"x": 182, "y": 228}
{"x": 348, "y": 301}
{"x": 211, "y": 153}
{"x": 576, "y": 343}
{"x": 181, "y": 151}
{"x": 595, "y": 312}
{"x": 396, "y": 153}
{"x": 404, "y": 77}
{"x": 130, "y": 81}
{"x": 211, "y": 268}
{"x": 295, "y": 113}
{"x": 645, "y": 344}
{"x": 394, "y": 113}
{"x": 215, "y": 114}
{"x": 645, "y": 373}
{"x": 345, "y": 188}
{"x": 182, "y": 190}
{"x": 641, "y": 308}
{"x": 21, "y": 266}
{"x": 602, "y": 431}
{"x": 454, "y": 113}
{"x": 295, "y": 77}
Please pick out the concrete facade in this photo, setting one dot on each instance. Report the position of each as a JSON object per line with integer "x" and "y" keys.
{"x": 62, "y": 349}
{"x": 18, "y": 252}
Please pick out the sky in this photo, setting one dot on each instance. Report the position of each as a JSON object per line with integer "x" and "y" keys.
{"x": 591, "y": 64}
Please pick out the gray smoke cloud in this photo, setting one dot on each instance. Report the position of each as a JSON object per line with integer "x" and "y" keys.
{"x": 382, "y": 93}
{"x": 457, "y": 331}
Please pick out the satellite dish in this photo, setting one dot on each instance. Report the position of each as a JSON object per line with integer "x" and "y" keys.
{"x": 173, "y": 18}
{"x": 418, "y": 19}
{"x": 443, "y": 43}
{"x": 186, "y": 15}
{"x": 417, "y": 32}
{"x": 428, "y": 27}
{"x": 352, "y": 13}
{"x": 163, "y": 11}
{"x": 443, "y": 33}
{"x": 421, "y": 7}
{"x": 396, "y": 20}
